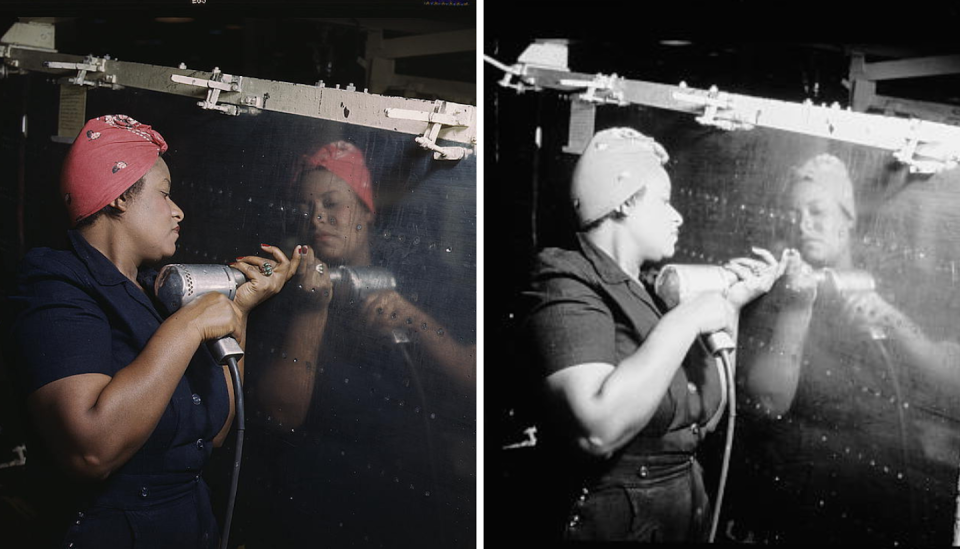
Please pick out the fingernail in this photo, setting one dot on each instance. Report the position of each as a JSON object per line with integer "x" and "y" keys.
{"x": 265, "y": 246}
{"x": 303, "y": 249}
{"x": 239, "y": 258}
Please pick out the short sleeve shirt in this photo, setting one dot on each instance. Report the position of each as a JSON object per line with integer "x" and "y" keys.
{"x": 584, "y": 308}
{"x": 77, "y": 314}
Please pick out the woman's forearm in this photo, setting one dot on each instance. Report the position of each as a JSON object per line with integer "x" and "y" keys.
{"x": 774, "y": 371}
{"x": 285, "y": 389}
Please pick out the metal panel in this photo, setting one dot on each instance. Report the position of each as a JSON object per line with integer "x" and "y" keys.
{"x": 868, "y": 451}
{"x": 384, "y": 452}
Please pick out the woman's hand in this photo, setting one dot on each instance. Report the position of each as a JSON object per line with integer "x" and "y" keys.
{"x": 799, "y": 289}
{"x": 873, "y": 316}
{"x": 387, "y": 310}
{"x": 212, "y": 315}
{"x": 265, "y": 278}
{"x": 312, "y": 283}
{"x": 756, "y": 276}
{"x": 710, "y": 311}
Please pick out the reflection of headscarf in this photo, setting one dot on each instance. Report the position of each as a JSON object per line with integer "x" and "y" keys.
{"x": 111, "y": 153}
{"x": 830, "y": 173}
{"x": 346, "y": 161}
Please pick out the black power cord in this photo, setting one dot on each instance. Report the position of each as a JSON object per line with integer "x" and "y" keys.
{"x": 724, "y": 357}
{"x": 238, "y": 452}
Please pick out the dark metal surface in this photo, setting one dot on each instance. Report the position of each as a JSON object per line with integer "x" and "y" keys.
{"x": 868, "y": 451}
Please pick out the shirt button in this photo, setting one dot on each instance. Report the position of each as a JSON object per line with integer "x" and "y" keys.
{"x": 196, "y": 399}
{"x": 695, "y": 429}
{"x": 692, "y": 388}
{"x": 199, "y": 444}
{"x": 644, "y": 472}
{"x": 144, "y": 492}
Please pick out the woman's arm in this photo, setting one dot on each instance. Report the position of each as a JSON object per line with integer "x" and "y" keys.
{"x": 285, "y": 389}
{"x": 610, "y": 404}
{"x": 773, "y": 371}
{"x": 388, "y": 311}
{"x": 95, "y": 423}
{"x": 250, "y": 294}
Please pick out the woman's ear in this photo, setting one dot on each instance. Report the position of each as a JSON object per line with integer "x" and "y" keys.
{"x": 119, "y": 203}
{"x": 367, "y": 217}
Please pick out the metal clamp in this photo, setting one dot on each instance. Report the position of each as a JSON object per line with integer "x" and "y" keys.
{"x": 436, "y": 119}
{"x": 929, "y": 161}
{"x": 600, "y": 83}
{"x": 529, "y": 442}
{"x": 717, "y": 109}
{"x": 218, "y": 82}
{"x": 518, "y": 72}
{"x": 89, "y": 64}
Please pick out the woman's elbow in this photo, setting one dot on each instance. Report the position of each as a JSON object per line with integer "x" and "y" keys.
{"x": 607, "y": 437}
{"x": 89, "y": 467}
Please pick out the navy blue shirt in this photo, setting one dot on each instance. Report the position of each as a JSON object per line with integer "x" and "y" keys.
{"x": 77, "y": 314}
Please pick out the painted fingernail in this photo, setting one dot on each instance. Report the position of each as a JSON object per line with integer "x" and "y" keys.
{"x": 239, "y": 258}
{"x": 303, "y": 249}
{"x": 265, "y": 246}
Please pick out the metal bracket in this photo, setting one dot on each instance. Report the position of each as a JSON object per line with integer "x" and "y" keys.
{"x": 89, "y": 64}
{"x": 529, "y": 442}
{"x": 927, "y": 161}
{"x": 518, "y": 71}
{"x": 717, "y": 109}
{"x": 218, "y": 82}
{"x": 436, "y": 119}
{"x": 600, "y": 83}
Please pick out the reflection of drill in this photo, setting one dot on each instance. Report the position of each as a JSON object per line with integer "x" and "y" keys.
{"x": 836, "y": 284}
{"x": 842, "y": 283}
{"x": 354, "y": 284}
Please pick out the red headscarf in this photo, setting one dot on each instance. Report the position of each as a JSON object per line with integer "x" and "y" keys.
{"x": 346, "y": 161}
{"x": 111, "y": 153}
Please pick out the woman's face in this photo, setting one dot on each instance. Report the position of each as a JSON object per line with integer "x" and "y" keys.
{"x": 152, "y": 217}
{"x": 823, "y": 228}
{"x": 338, "y": 220}
{"x": 653, "y": 221}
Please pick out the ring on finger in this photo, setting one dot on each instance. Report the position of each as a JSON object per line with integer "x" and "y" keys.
{"x": 319, "y": 268}
{"x": 267, "y": 269}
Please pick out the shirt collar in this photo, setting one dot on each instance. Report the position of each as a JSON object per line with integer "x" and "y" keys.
{"x": 611, "y": 273}
{"x": 102, "y": 269}
{"x": 605, "y": 266}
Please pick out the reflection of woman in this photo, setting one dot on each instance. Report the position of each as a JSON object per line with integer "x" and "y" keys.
{"x": 631, "y": 396}
{"x": 843, "y": 452}
{"x": 368, "y": 374}
{"x": 127, "y": 403}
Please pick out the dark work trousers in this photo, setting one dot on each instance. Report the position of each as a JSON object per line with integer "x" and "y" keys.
{"x": 655, "y": 498}
{"x": 170, "y": 511}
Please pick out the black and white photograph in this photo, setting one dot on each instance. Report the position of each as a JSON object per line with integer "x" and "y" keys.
{"x": 726, "y": 309}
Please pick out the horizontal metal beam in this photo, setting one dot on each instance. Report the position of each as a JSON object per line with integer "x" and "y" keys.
{"x": 911, "y": 68}
{"x": 340, "y": 105}
{"x": 427, "y": 44}
{"x": 904, "y": 137}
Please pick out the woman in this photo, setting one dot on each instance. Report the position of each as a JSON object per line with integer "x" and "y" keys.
{"x": 631, "y": 395}
{"x": 127, "y": 404}
{"x": 848, "y": 381}
{"x": 380, "y": 393}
